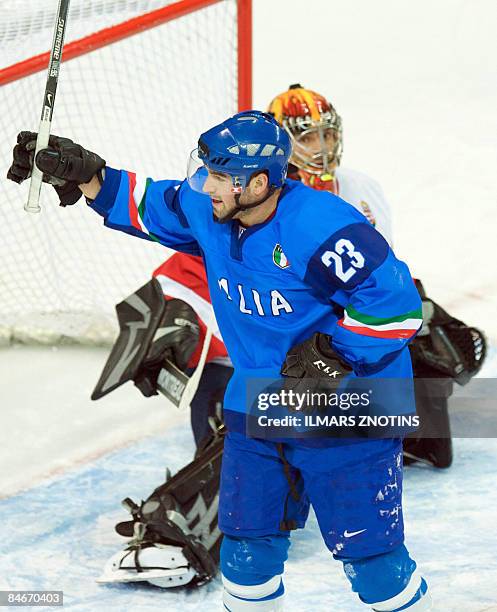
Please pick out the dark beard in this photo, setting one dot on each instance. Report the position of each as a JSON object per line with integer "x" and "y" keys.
{"x": 224, "y": 219}
{"x": 239, "y": 208}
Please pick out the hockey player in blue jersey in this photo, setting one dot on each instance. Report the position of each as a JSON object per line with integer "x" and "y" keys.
{"x": 278, "y": 258}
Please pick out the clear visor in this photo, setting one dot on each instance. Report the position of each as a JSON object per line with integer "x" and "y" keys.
{"x": 211, "y": 182}
{"x": 316, "y": 149}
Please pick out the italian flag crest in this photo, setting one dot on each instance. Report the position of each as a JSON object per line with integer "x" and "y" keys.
{"x": 279, "y": 258}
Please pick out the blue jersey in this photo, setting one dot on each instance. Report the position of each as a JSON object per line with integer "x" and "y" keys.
{"x": 316, "y": 265}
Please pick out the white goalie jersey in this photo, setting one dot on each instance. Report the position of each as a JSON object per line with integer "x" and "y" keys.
{"x": 367, "y": 196}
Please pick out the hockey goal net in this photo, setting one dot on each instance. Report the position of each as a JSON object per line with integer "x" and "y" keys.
{"x": 140, "y": 80}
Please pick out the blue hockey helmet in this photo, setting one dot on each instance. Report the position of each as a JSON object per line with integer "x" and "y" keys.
{"x": 240, "y": 147}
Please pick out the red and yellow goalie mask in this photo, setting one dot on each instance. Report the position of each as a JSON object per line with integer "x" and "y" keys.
{"x": 314, "y": 127}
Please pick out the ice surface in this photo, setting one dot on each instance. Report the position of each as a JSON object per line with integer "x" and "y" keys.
{"x": 58, "y": 534}
{"x": 48, "y": 421}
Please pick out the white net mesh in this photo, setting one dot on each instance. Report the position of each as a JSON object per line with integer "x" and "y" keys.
{"x": 141, "y": 104}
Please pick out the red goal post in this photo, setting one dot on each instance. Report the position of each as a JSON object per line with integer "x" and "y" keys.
{"x": 140, "y": 80}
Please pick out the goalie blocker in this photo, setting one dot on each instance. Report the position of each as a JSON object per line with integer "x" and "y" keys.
{"x": 157, "y": 338}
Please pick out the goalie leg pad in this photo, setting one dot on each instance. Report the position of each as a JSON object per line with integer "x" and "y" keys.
{"x": 175, "y": 536}
{"x": 431, "y": 443}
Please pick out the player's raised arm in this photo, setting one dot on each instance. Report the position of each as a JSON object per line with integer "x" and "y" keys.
{"x": 141, "y": 207}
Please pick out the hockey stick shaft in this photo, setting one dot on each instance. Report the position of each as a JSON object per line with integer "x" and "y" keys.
{"x": 33, "y": 205}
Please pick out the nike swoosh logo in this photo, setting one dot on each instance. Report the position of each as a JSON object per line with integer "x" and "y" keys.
{"x": 351, "y": 534}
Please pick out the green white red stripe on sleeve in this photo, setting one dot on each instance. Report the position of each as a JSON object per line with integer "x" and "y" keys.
{"x": 136, "y": 202}
{"x": 399, "y": 326}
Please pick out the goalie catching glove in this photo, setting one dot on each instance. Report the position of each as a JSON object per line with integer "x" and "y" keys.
{"x": 65, "y": 165}
{"x": 446, "y": 345}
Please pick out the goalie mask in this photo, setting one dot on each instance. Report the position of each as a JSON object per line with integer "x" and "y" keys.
{"x": 314, "y": 127}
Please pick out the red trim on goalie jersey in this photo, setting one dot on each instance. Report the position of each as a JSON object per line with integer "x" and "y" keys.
{"x": 189, "y": 271}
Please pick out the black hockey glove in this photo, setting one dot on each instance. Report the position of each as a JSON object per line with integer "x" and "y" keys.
{"x": 445, "y": 346}
{"x": 64, "y": 164}
{"x": 314, "y": 365}
{"x": 176, "y": 339}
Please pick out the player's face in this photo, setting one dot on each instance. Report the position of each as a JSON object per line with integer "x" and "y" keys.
{"x": 219, "y": 187}
{"x": 315, "y": 144}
